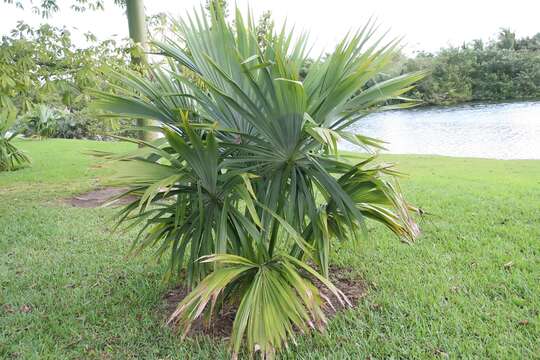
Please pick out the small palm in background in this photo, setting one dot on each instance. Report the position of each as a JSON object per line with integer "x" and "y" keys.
{"x": 41, "y": 122}
{"x": 246, "y": 191}
{"x": 11, "y": 158}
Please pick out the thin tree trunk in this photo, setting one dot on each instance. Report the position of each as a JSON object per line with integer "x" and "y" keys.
{"x": 137, "y": 33}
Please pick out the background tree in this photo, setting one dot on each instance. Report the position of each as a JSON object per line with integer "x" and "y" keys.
{"x": 46, "y": 8}
{"x": 507, "y": 68}
{"x": 137, "y": 33}
{"x": 529, "y": 43}
{"x": 223, "y": 5}
{"x": 265, "y": 28}
{"x": 42, "y": 66}
{"x": 136, "y": 23}
{"x": 506, "y": 39}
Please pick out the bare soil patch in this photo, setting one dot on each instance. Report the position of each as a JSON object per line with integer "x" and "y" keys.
{"x": 99, "y": 197}
{"x": 220, "y": 326}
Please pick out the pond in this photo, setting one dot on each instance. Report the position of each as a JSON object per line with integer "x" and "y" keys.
{"x": 498, "y": 131}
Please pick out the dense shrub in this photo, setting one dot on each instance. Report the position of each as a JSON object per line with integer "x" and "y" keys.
{"x": 507, "y": 69}
{"x": 47, "y": 122}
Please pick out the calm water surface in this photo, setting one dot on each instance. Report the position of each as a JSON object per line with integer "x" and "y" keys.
{"x": 499, "y": 131}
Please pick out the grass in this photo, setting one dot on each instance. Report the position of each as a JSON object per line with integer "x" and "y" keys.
{"x": 470, "y": 287}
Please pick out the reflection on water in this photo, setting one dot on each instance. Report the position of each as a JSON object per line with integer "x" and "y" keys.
{"x": 500, "y": 131}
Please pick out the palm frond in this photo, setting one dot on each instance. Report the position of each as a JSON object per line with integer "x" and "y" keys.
{"x": 11, "y": 158}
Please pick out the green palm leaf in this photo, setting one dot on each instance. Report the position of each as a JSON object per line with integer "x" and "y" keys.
{"x": 11, "y": 158}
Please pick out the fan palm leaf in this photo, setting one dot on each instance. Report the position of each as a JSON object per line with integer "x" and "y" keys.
{"x": 11, "y": 158}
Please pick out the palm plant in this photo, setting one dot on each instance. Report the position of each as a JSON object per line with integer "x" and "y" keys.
{"x": 246, "y": 190}
{"x": 10, "y": 157}
{"x": 42, "y": 121}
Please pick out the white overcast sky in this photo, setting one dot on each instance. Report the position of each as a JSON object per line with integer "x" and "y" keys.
{"x": 425, "y": 24}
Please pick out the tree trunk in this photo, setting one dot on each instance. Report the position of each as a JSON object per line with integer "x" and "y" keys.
{"x": 137, "y": 33}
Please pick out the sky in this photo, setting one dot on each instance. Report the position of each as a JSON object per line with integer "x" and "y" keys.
{"x": 424, "y": 24}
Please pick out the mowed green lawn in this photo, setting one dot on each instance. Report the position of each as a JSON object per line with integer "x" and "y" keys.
{"x": 469, "y": 288}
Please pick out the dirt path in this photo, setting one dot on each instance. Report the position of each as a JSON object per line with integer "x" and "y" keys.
{"x": 99, "y": 197}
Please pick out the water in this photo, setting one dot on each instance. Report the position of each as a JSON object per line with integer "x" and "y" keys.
{"x": 498, "y": 131}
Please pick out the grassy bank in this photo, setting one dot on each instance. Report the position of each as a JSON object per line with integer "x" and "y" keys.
{"x": 470, "y": 288}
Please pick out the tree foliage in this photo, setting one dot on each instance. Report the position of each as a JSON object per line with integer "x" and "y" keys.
{"x": 246, "y": 193}
{"x": 43, "y": 66}
{"x": 46, "y": 8}
{"x": 505, "y": 69}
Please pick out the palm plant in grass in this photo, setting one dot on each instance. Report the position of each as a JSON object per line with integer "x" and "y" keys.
{"x": 246, "y": 191}
{"x": 42, "y": 121}
{"x": 11, "y": 158}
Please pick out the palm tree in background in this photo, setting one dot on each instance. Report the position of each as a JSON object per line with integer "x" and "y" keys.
{"x": 506, "y": 39}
